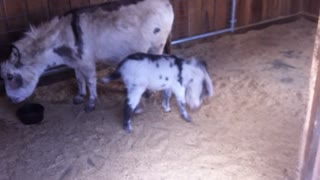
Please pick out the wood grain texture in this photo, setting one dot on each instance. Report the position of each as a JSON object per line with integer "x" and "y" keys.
{"x": 312, "y": 7}
{"x": 192, "y": 17}
{"x": 311, "y": 132}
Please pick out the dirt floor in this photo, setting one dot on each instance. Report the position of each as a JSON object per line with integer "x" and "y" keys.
{"x": 250, "y": 129}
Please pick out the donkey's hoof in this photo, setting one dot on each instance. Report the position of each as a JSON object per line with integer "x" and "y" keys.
{"x": 78, "y": 100}
{"x": 89, "y": 108}
{"x": 187, "y": 118}
{"x": 127, "y": 128}
{"x": 138, "y": 110}
{"x": 166, "y": 109}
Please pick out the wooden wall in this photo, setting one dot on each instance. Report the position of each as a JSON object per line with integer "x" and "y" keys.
{"x": 200, "y": 16}
{"x": 309, "y": 166}
{"x": 192, "y": 16}
{"x": 255, "y": 11}
{"x": 16, "y": 15}
{"x": 312, "y": 7}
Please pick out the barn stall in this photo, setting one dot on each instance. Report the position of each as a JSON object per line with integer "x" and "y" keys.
{"x": 251, "y": 128}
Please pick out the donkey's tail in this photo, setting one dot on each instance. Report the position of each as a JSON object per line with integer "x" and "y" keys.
{"x": 208, "y": 86}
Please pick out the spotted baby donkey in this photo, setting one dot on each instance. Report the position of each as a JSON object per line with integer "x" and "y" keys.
{"x": 187, "y": 79}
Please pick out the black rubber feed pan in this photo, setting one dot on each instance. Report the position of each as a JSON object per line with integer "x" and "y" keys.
{"x": 30, "y": 113}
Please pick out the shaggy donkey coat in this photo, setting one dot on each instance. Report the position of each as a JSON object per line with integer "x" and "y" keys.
{"x": 107, "y": 33}
{"x": 187, "y": 79}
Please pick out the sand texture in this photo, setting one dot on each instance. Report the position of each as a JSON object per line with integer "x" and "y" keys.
{"x": 250, "y": 129}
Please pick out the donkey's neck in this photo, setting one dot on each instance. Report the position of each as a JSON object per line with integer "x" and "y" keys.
{"x": 51, "y": 60}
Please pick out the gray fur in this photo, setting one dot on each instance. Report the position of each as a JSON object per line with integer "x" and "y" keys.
{"x": 106, "y": 33}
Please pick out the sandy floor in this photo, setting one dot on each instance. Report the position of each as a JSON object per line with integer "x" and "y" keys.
{"x": 249, "y": 130}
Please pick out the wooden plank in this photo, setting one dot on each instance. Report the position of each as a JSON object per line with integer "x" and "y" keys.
{"x": 14, "y": 7}
{"x": 58, "y": 7}
{"x": 208, "y": 14}
{"x": 244, "y": 12}
{"x": 222, "y": 14}
{"x": 285, "y": 7}
{"x": 311, "y": 132}
{"x": 181, "y": 21}
{"x": 296, "y": 6}
{"x": 259, "y": 11}
{"x": 194, "y": 13}
{"x": 79, "y": 3}
{"x": 312, "y": 6}
{"x": 38, "y": 11}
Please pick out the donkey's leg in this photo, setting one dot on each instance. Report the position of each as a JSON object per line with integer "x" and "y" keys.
{"x": 89, "y": 73}
{"x": 167, "y": 46}
{"x": 179, "y": 92}
{"x": 166, "y": 95}
{"x": 133, "y": 98}
{"x": 82, "y": 91}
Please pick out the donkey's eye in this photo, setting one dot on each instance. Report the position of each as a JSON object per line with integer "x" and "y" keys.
{"x": 9, "y": 77}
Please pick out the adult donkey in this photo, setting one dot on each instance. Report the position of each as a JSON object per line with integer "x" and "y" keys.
{"x": 101, "y": 33}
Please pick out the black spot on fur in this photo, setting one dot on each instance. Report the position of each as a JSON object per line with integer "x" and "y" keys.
{"x": 107, "y": 6}
{"x": 157, "y": 65}
{"x": 65, "y": 51}
{"x": 167, "y": 79}
{"x": 163, "y": 85}
{"x": 18, "y": 80}
{"x": 156, "y": 30}
{"x": 77, "y": 31}
{"x": 171, "y": 64}
{"x": 178, "y": 62}
{"x": 160, "y": 77}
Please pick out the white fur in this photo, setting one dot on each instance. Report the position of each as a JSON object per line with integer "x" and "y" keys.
{"x": 108, "y": 36}
{"x": 144, "y": 74}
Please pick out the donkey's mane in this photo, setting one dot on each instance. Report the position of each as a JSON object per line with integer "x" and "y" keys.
{"x": 43, "y": 30}
{"x": 39, "y": 38}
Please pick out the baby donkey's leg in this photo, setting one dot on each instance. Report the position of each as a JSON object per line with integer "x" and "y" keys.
{"x": 133, "y": 98}
{"x": 179, "y": 92}
{"x": 166, "y": 95}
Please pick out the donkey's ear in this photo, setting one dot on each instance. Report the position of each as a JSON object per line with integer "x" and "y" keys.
{"x": 14, "y": 53}
{"x": 15, "y": 56}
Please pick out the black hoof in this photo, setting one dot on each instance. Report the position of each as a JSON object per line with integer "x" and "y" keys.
{"x": 78, "y": 100}
{"x": 89, "y": 108}
{"x": 187, "y": 118}
{"x": 127, "y": 128}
